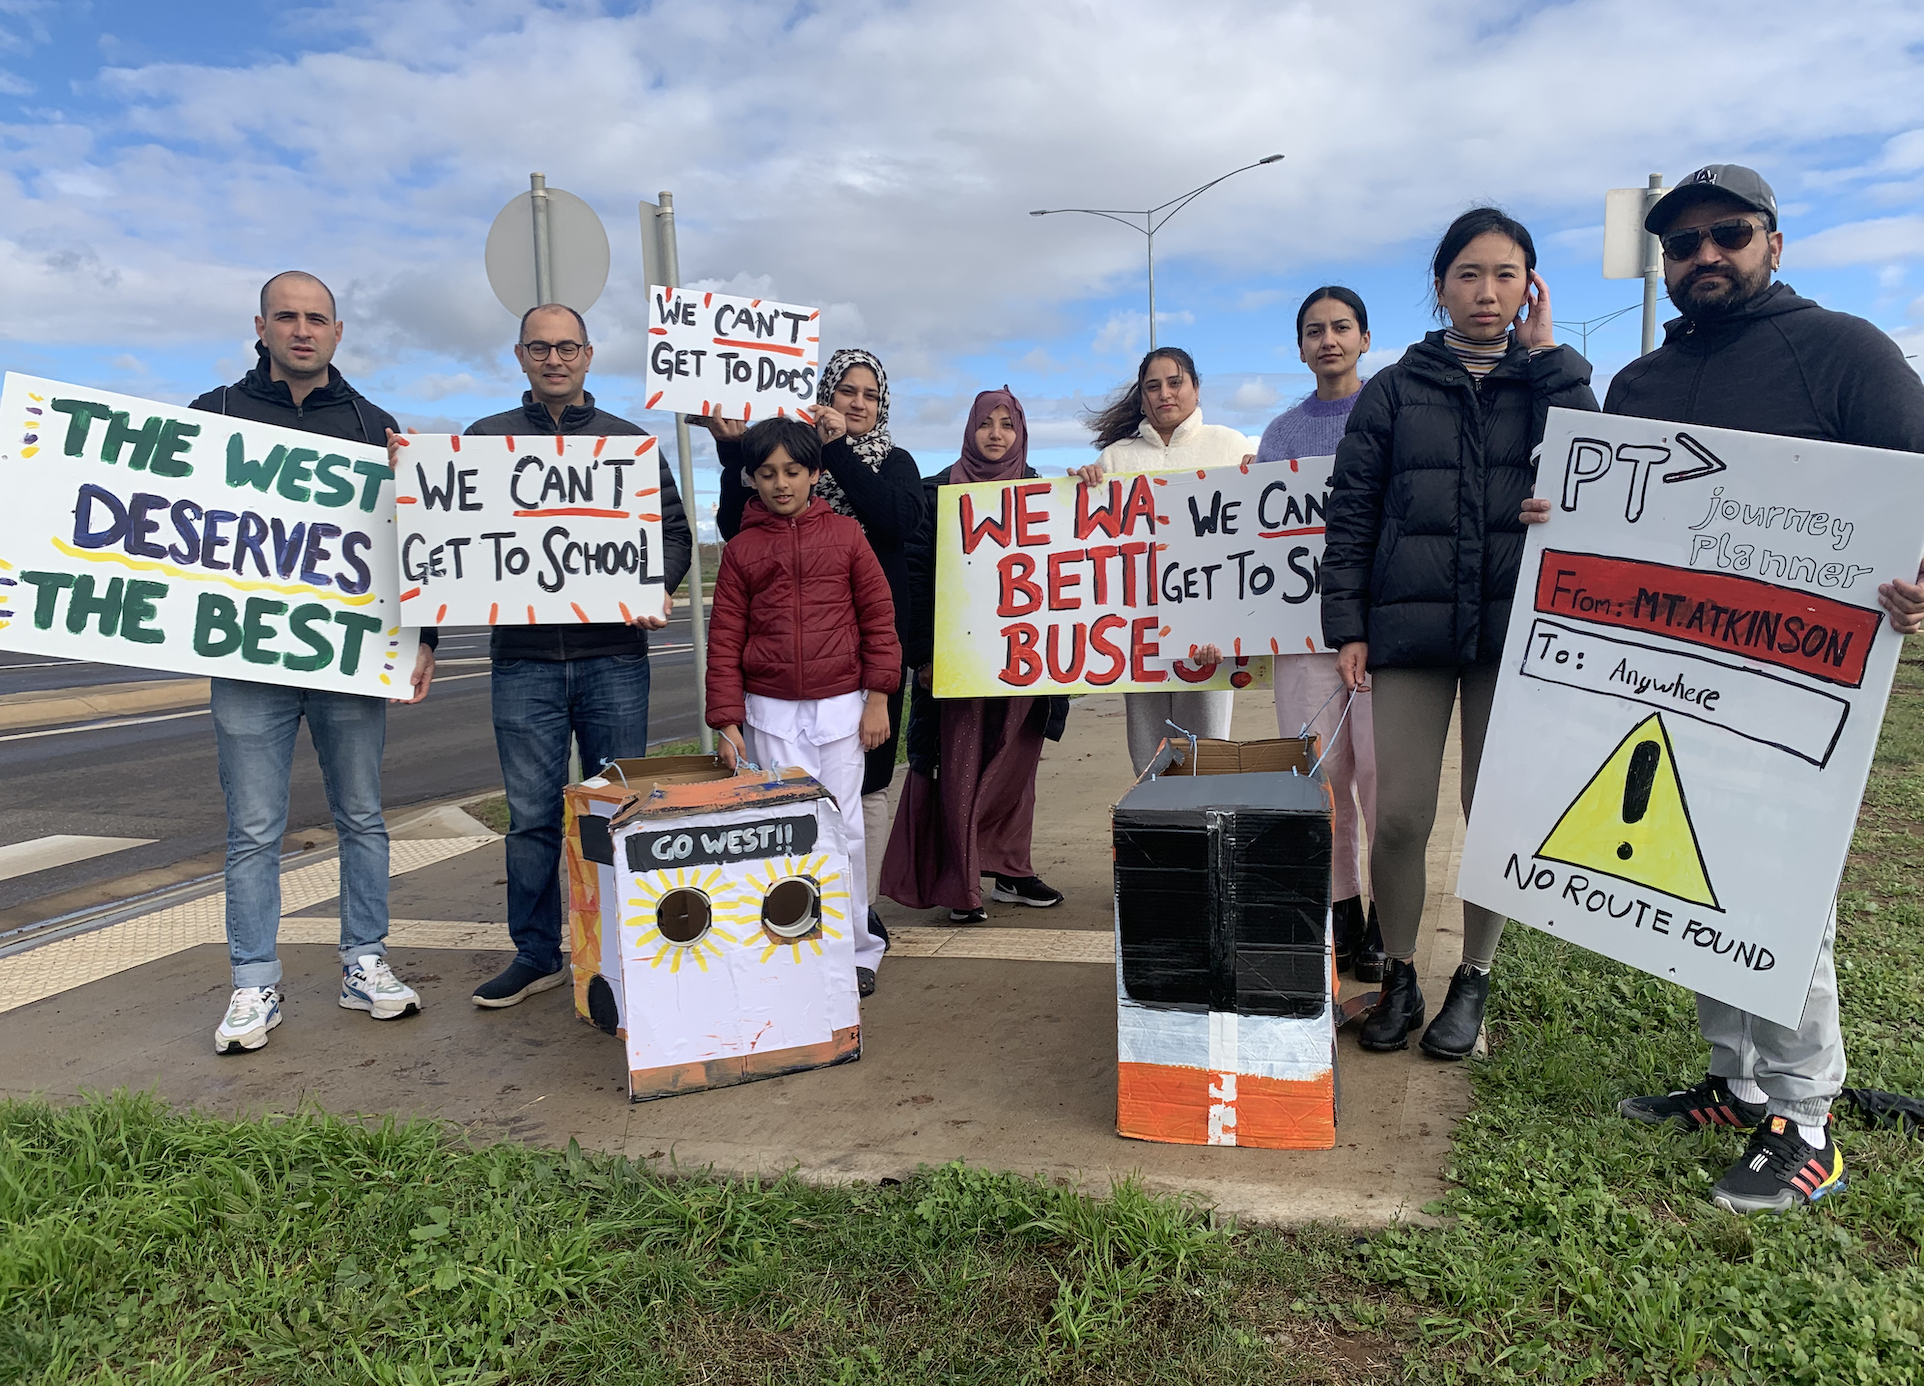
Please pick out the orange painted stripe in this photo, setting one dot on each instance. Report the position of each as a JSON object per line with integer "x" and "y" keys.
{"x": 761, "y": 346}
{"x": 754, "y": 303}
{"x": 410, "y": 594}
{"x": 560, "y": 445}
{"x": 651, "y": 400}
{"x": 659, "y": 331}
{"x": 573, "y": 510}
{"x": 494, "y": 612}
{"x": 649, "y": 492}
{"x": 626, "y": 614}
{"x": 578, "y": 611}
{"x": 647, "y": 442}
{"x": 745, "y": 413}
{"x": 645, "y": 515}
{"x": 454, "y": 441}
{"x": 442, "y": 614}
{"x": 814, "y": 315}
{"x": 405, "y": 500}
{"x": 531, "y": 620}
{"x": 600, "y": 443}
{"x": 707, "y": 299}
{"x": 509, "y": 440}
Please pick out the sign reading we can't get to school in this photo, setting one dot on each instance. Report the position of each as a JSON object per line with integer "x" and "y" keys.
{"x": 159, "y": 537}
{"x": 533, "y": 529}
{"x": 728, "y": 357}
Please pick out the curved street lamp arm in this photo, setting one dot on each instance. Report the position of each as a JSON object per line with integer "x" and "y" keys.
{"x": 1176, "y": 204}
{"x": 1112, "y": 214}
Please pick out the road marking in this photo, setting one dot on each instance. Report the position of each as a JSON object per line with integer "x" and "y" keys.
{"x": 44, "y": 853}
{"x": 107, "y": 726}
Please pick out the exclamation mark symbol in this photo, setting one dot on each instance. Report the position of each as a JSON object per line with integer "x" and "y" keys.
{"x": 1637, "y": 786}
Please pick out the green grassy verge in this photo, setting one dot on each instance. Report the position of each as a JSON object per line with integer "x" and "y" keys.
{"x": 137, "y": 1244}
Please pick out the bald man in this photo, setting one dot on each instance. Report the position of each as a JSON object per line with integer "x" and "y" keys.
{"x": 294, "y": 384}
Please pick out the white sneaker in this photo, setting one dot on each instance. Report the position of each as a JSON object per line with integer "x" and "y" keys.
{"x": 251, "y": 1013}
{"x": 369, "y": 986}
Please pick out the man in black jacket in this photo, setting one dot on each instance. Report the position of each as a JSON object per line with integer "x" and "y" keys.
{"x": 1750, "y": 354}
{"x": 550, "y": 682}
{"x": 296, "y": 385}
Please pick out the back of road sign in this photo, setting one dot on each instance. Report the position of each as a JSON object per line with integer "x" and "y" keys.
{"x": 578, "y": 248}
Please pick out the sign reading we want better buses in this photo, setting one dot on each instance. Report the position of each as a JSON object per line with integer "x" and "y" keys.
{"x": 149, "y": 535}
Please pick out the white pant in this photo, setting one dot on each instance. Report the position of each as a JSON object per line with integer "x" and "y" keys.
{"x": 1304, "y": 684}
{"x": 838, "y": 765}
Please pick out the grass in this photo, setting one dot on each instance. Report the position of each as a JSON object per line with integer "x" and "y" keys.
{"x": 140, "y": 1244}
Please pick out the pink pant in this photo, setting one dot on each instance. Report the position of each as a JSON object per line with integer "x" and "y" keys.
{"x": 1304, "y": 683}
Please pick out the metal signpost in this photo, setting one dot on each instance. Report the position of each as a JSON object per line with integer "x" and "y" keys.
{"x": 661, "y": 264}
{"x": 1630, "y": 252}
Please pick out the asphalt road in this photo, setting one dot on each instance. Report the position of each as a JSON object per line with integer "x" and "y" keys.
{"x": 155, "y": 775}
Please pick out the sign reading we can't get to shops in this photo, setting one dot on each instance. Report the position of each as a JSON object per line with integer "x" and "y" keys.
{"x": 145, "y": 534}
{"x": 728, "y": 357}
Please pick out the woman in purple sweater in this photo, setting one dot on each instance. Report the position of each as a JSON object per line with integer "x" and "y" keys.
{"x": 1332, "y": 333}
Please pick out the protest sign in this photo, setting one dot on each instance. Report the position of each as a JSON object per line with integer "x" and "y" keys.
{"x": 165, "y": 538}
{"x": 533, "y": 528}
{"x": 1241, "y": 556}
{"x": 1694, "y": 676}
{"x": 731, "y": 358}
{"x": 1047, "y": 586}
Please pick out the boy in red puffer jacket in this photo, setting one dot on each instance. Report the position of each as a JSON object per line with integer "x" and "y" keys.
{"x": 802, "y": 633}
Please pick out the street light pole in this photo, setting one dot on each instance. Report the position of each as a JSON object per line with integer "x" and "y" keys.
{"x": 1153, "y": 220}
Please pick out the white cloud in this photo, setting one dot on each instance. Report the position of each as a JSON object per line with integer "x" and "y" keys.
{"x": 1255, "y": 393}
{"x": 1874, "y": 242}
{"x": 892, "y": 183}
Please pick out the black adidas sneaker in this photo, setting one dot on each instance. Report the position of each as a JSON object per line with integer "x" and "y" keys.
{"x": 1709, "y": 1103}
{"x": 1779, "y": 1171}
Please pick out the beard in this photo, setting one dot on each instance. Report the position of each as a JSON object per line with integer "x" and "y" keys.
{"x": 1710, "y": 292}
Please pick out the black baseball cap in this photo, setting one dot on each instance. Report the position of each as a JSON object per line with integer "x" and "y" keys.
{"x": 1732, "y": 181}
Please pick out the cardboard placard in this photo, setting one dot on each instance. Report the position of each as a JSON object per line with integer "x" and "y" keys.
{"x": 149, "y": 535}
{"x": 1694, "y": 677}
{"x": 1242, "y": 556}
{"x": 531, "y": 528}
{"x": 1047, "y": 586}
{"x": 731, "y": 358}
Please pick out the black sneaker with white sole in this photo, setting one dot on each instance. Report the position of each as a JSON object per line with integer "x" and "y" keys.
{"x": 978, "y": 915}
{"x": 517, "y": 984}
{"x": 1025, "y": 890}
{"x": 1780, "y": 1171}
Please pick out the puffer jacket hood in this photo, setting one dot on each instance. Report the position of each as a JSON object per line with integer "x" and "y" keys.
{"x": 1424, "y": 541}
{"x": 1783, "y": 365}
{"x": 802, "y": 611}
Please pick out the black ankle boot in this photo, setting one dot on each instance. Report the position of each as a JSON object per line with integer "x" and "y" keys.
{"x": 1398, "y": 1012}
{"x": 1452, "y": 1035}
{"x": 1346, "y": 925}
{"x": 1369, "y": 963}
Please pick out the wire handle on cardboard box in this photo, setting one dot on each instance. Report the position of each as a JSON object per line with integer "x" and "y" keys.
{"x": 608, "y": 765}
{"x": 1319, "y": 711}
{"x": 1192, "y": 742}
{"x": 1347, "y": 705}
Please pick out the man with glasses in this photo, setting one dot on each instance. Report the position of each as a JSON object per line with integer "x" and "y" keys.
{"x": 1750, "y": 354}
{"x": 589, "y": 681}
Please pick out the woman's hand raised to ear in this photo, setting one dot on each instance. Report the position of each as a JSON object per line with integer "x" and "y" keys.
{"x": 1532, "y": 322}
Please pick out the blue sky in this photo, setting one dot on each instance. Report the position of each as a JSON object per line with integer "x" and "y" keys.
{"x": 158, "y": 161}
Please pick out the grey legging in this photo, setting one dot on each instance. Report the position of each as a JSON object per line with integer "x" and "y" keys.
{"x": 1412, "y": 708}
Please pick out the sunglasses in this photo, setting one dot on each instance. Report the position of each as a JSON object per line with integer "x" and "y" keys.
{"x": 1729, "y": 235}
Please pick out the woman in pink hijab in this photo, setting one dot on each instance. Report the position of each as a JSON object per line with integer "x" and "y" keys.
{"x": 968, "y": 807}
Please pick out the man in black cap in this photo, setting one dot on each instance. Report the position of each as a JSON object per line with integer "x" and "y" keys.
{"x": 1750, "y": 354}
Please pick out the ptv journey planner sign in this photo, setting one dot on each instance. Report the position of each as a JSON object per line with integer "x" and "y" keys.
{"x": 1694, "y": 677}
{"x": 149, "y": 535}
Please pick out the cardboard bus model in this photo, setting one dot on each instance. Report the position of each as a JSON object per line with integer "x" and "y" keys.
{"x": 1226, "y": 1026}
{"x": 709, "y": 922}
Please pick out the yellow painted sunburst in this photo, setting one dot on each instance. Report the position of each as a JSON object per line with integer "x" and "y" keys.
{"x": 727, "y": 911}
{"x": 831, "y": 887}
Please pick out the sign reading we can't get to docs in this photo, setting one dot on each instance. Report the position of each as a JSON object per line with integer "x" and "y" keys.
{"x": 149, "y": 535}
{"x": 727, "y": 357}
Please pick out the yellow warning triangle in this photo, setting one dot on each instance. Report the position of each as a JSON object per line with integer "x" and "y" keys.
{"x": 1632, "y": 821}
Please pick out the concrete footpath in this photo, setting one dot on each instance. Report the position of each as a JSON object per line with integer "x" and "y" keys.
{"x": 995, "y": 1045}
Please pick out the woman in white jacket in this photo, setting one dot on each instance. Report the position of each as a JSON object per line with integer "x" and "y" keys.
{"x": 1156, "y": 425}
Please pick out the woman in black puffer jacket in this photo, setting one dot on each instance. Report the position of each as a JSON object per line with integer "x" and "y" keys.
{"x": 1420, "y": 564}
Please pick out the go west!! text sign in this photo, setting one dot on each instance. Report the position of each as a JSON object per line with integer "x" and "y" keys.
{"x": 731, "y": 358}
{"x": 531, "y": 529}
{"x": 1053, "y": 587}
{"x": 1693, "y": 679}
{"x": 149, "y": 535}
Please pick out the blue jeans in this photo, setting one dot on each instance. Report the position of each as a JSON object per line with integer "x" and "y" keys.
{"x": 537, "y": 703}
{"x": 254, "y": 728}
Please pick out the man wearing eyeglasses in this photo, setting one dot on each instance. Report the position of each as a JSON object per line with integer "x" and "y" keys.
{"x": 1750, "y": 354}
{"x": 589, "y": 681}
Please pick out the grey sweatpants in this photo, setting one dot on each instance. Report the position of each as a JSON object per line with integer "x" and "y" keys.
{"x": 1412, "y": 715}
{"x": 1800, "y": 1070}
{"x": 1204, "y": 713}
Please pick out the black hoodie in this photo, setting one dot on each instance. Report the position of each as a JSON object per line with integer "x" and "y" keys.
{"x": 592, "y": 640}
{"x": 333, "y": 410}
{"x": 1780, "y": 365}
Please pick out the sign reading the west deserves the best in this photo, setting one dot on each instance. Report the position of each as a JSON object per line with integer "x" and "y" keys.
{"x": 164, "y": 538}
{"x": 731, "y": 358}
{"x": 1242, "y": 555}
{"x": 1694, "y": 676}
{"x": 1048, "y": 586}
{"x": 529, "y": 529}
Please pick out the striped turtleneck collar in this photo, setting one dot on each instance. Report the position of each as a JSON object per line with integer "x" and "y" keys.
{"x": 1478, "y": 358}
